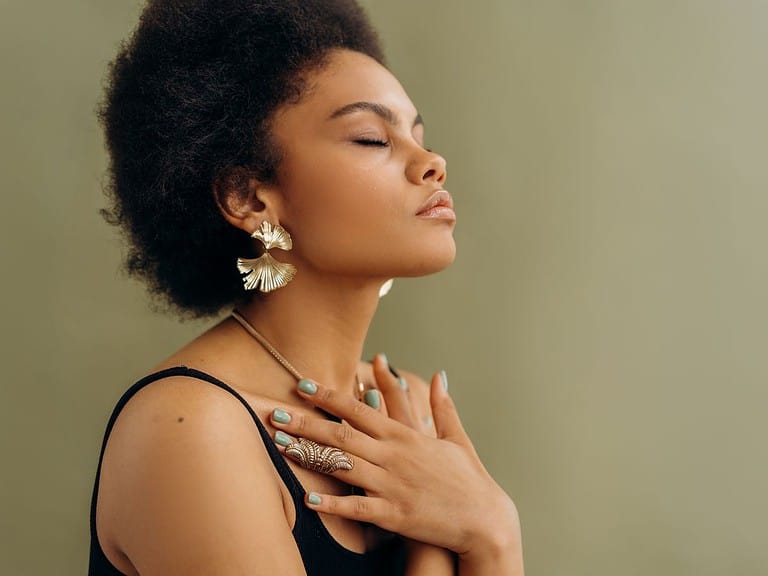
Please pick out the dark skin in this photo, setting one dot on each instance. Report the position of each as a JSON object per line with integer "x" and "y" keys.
{"x": 187, "y": 485}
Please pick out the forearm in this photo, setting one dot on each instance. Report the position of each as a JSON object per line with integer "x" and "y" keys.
{"x": 428, "y": 560}
{"x": 504, "y": 563}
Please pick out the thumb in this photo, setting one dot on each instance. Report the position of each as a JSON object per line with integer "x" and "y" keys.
{"x": 446, "y": 418}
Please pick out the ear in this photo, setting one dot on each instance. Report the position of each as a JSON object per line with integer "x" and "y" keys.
{"x": 244, "y": 201}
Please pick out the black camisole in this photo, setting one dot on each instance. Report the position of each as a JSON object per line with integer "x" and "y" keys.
{"x": 321, "y": 553}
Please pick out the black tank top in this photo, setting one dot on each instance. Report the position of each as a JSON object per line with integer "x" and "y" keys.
{"x": 321, "y": 553}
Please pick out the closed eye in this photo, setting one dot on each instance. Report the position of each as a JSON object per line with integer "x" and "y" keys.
{"x": 365, "y": 142}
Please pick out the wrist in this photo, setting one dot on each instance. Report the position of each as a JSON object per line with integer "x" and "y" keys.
{"x": 497, "y": 540}
{"x": 497, "y": 554}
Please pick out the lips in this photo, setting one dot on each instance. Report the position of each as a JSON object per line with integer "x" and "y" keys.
{"x": 440, "y": 199}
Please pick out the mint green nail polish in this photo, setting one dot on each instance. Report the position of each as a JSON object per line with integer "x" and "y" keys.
{"x": 307, "y": 386}
{"x": 403, "y": 384}
{"x": 281, "y": 416}
{"x": 444, "y": 378}
{"x": 428, "y": 420}
{"x": 282, "y": 438}
{"x": 314, "y": 499}
{"x": 372, "y": 399}
{"x": 384, "y": 357}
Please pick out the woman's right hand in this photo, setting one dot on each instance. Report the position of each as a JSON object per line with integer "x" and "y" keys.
{"x": 434, "y": 490}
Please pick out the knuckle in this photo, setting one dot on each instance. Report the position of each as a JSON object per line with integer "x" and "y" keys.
{"x": 343, "y": 434}
{"x": 387, "y": 457}
{"x": 392, "y": 518}
{"x": 325, "y": 395}
{"x": 301, "y": 423}
{"x": 361, "y": 506}
{"x": 403, "y": 435}
{"x": 397, "y": 514}
{"x": 360, "y": 409}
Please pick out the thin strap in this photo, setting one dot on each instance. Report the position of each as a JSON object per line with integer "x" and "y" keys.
{"x": 289, "y": 478}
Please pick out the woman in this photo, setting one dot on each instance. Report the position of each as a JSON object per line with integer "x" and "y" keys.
{"x": 264, "y": 160}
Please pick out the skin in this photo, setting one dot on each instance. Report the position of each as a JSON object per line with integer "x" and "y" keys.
{"x": 186, "y": 484}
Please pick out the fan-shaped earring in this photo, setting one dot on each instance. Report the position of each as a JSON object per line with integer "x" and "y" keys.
{"x": 265, "y": 273}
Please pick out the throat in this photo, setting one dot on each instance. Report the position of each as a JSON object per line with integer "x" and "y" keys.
{"x": 334, "y": 378}
{"x": 317, "y": 324}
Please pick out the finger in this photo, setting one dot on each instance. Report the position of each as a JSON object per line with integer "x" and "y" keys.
{"x": 376, "y": 400}
{"x": 340, "y": 435}
{"x": 369, "y": 509}
{"x": 363, "y": 474}
{"x": 446, "y": 418}
{"x": 359, "y": 414}
{"x": 394, "y": 390}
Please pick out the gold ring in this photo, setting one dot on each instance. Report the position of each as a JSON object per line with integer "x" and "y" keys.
{"x": 326, "y": 459}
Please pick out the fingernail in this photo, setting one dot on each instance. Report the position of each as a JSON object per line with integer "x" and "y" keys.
{"x": 403, "y": 384}
{"x": 282, "y": 438}
{"x": 372, "y": 399}
{"x": 307, "y": 386}
{"x": 444, "y": 378}
{"x": 314, "y": 499}
{"x": 428, "y": 420}
{"x": 384, "y": 357}
{"x": 281, "y": 416}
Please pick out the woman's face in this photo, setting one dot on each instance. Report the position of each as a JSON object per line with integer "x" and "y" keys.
{"x": 355, "y": 178}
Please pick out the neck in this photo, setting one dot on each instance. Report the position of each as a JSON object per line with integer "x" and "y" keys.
{"x": 317, "y": 326}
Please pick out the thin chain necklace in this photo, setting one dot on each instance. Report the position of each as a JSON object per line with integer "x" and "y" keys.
{"x": 360, "y": 387}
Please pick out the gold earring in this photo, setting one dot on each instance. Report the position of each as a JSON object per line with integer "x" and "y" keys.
{"x": 264, "y": 272}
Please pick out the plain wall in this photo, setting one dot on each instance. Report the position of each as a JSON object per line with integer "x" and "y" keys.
{"x": 604, "y": 326}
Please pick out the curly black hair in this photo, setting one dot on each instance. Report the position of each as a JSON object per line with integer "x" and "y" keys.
{"x": 188, "y": 101}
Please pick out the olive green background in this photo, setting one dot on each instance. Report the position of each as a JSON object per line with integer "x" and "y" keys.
{"x": 604, "y": 327}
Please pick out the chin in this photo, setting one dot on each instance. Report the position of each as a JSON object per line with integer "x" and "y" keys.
{"x": 431, "y": 261}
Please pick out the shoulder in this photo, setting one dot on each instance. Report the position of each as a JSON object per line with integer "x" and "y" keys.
{"x": 184, "y": 412}
{"x": 193, "y": 487}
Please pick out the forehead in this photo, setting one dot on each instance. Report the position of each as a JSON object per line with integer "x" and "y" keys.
{"x": 346, "y": 78}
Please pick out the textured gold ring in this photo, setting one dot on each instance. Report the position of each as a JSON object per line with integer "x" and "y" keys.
{"x": 312, "y": 456}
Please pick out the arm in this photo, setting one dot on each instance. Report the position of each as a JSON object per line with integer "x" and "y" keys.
{"x": 427, "y": 559}
{"x": 198, "y": 494}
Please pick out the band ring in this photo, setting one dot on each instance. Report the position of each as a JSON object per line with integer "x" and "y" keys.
{"x": 312, "y": 456}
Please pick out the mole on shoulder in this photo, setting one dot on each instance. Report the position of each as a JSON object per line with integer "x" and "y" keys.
{"x": 181, "y": 419}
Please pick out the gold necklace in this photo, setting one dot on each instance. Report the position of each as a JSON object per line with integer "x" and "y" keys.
{"x": 360, "y": 386}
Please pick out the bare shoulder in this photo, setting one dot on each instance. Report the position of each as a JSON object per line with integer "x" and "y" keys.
{"x": 191, "y": 489}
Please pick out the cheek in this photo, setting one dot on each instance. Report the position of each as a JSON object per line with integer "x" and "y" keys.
{"x": 340, "y": 212}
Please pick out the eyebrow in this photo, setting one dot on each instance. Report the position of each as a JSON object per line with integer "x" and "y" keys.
{"x": 378, "y": 109}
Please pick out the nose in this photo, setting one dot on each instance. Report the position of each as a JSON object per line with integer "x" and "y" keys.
{"x": 427, "y": 166}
